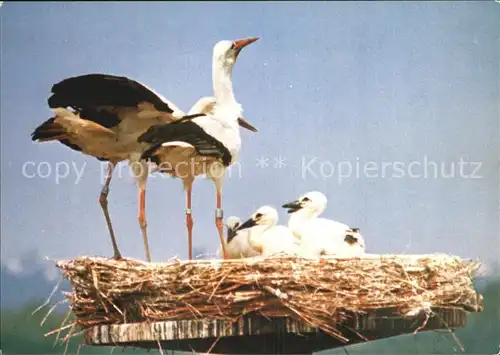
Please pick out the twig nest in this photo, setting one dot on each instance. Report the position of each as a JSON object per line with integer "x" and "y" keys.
{"x": 318, "y": 292}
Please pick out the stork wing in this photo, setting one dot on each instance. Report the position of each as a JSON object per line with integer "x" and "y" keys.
{"x": 102, "y": 92}
{"x": 188, "y": 132}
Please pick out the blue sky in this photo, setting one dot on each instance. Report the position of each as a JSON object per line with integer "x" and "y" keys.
{"x": 329, "y": 85}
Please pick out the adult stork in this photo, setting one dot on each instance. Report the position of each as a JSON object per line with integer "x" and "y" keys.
{"x": 108, "y": 113}
{"x": 207, "y": 144}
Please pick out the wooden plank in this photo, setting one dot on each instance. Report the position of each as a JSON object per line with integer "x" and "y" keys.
{"x": 259, "y": 335}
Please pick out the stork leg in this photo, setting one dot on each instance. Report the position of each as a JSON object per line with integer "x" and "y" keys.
{"x": 103, "y": 200}
{"x": 189, "y": 220}
{"x": 142, "y": 221}
{"x": 218, "y": 221}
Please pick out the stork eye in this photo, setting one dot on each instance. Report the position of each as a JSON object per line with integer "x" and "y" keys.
{"x": 258, "y": 215}
{"x": 306, "y": 199}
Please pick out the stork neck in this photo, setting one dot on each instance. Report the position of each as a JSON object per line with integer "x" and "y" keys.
{"x": 223, "y": 85}
{"x": 254, "y": 236}
{"x": 298, "y": 218}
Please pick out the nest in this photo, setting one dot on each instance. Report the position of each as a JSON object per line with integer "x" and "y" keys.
{"x": 318, "y": 292}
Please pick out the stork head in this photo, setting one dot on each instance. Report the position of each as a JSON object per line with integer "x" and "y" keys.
{"x": 312, "y": 204}
{"x": 264, "y": 216}
{"x": 232, "y": 223}
{"x": 226, "y": 52}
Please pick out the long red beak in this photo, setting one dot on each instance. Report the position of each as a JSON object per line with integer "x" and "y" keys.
{"x": 241, "y": 43}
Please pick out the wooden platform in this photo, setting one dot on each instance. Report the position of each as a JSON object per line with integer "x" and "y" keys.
{"x": 259, "y": 335}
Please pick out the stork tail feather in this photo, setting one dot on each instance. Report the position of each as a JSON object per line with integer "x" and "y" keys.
{"x": 48, "y": 131}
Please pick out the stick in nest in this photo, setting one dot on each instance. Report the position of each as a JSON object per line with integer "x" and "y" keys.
{"x": 321, "y": 294}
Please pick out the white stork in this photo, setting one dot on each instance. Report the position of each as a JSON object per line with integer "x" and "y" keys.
{"x": 354, "y": 244}
{"x": 266, "y": 237}
{"x": 237, "y": 246}
{"x": 318, "y": 236}
{"x": 203, "y": 145}
{"x": 108, "y": 114}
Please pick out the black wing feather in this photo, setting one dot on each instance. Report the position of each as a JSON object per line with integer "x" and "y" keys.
{"x": 103, "y": 89}
{"x": 188, "y": 132}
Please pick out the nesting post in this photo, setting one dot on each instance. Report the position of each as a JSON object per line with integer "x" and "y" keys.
{"x": 267, "y": 306}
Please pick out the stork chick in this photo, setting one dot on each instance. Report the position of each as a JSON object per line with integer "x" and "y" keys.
{"x": 354, "y": 244}
{"x": 318, "y": 236}
{"x": 265, "y": 236}
{"x": 237, "y": 246}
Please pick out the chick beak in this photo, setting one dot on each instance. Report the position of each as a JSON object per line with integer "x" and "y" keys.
{"x": 247, "y": 224}
{"x": 293, "y": 206}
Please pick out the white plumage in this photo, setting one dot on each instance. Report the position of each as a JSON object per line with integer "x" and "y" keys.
{"x": 207, "y": 104}
{"x": 207, "y": 144}
{"x": 237, "y": 245}
{"x": 111, "y": 112}
{"x": 266, "y": 237}
{"x": 318, "y": 236}
{"x": 354, "y": 244}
